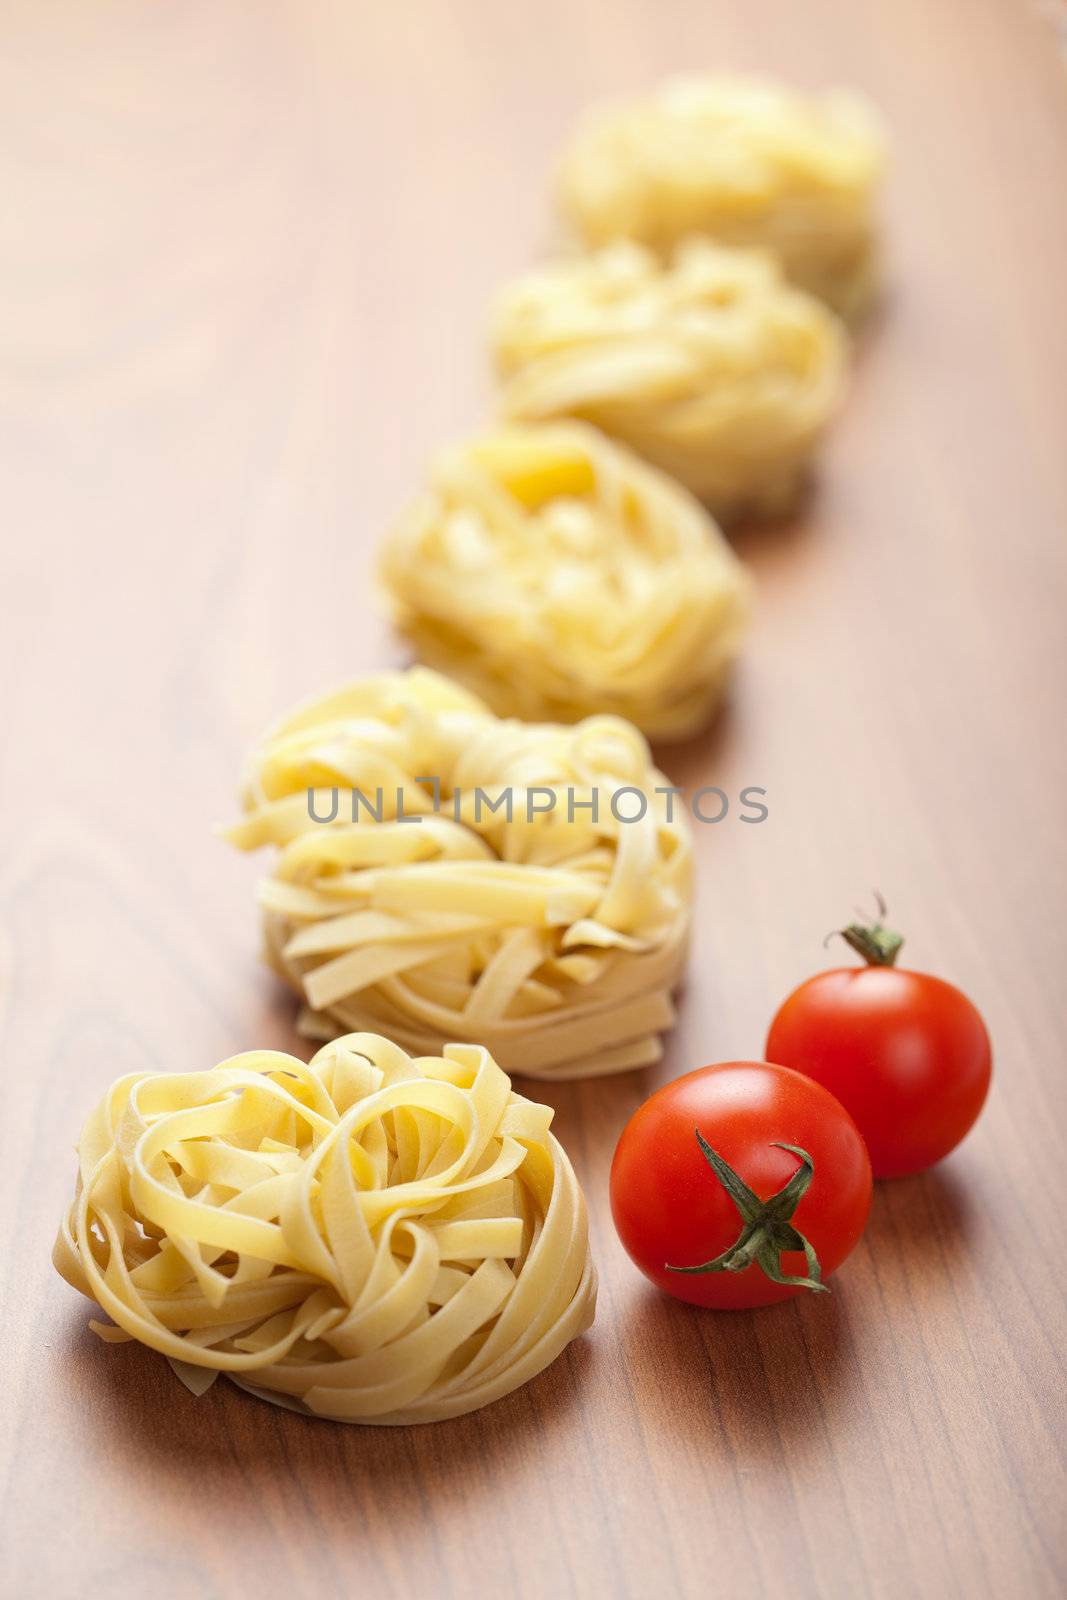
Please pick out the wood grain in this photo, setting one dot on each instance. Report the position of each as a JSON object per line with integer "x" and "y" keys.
{"x": 245, "y": 251}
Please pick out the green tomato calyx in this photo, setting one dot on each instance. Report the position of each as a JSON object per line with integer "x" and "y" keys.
{"x": 767, "y": 1225}
{"x": 878, "y": 945}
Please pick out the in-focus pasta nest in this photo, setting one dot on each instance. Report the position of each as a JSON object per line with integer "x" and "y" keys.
{"x": 370, "y": 1238}
{"x": 557, "y": 575}
{"x": 745, "y": 161}
{"x": 553, "y": 937}
{"x": 712, "y": 367}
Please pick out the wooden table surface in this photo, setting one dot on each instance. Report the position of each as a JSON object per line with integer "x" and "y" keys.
{"x": 245, "y": 251}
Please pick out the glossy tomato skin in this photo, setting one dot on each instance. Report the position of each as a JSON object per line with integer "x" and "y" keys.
{"x": 906, "y": 1053}
{"x": 669, "y": 1207}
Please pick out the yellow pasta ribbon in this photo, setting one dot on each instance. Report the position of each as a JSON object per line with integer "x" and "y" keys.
{"x": 745, "y": 161}
{"x": 513, "y": 915}
{"x": 557, "y": 575}
{"x": 711, "y": 367}
{"x": 374, "y": 1237}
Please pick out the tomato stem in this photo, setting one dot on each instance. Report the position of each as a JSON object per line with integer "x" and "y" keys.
{"x": 767, "y": 1227}
{"x": 878, "y": 945}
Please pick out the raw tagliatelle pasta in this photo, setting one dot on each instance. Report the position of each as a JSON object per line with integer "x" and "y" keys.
{"x": 745, "y": 161}
{"x": 712, "y": 367}
{"x": 486, "y": 889}
{"x": 556, "y": 575}
{"x": 370, "y": 1238}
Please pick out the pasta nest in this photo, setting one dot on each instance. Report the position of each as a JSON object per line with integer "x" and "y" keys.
{"x": 557, "y": 575}
{"x": 713, "y": 367}
{"x": 745, "y": 161}
{"x": 552, "y": 936}
{"x": 369, "y": 1238}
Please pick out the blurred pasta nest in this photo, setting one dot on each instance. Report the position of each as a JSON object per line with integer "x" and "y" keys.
{"x": 475, "y": 882}
{"x": 745, "y": 161}
{"x": 712, "y": 367}
{"x": 556, "y": 575}
{"x": 370, "y": 1238}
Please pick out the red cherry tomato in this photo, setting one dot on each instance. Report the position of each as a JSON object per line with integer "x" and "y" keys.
{"x": 906, "y": 1053}
{"x": 761, "y": 1222}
